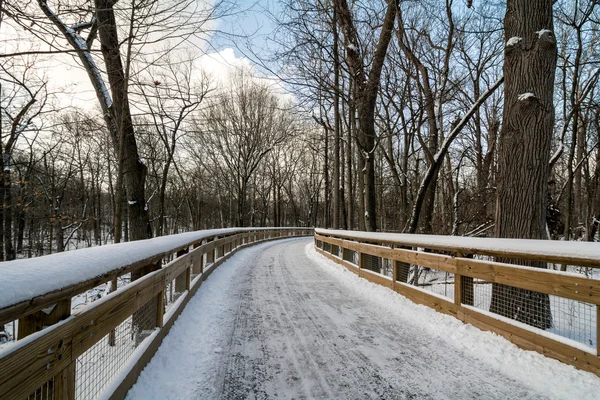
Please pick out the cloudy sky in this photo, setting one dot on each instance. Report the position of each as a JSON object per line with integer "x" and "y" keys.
{"x": 218, "y": 54}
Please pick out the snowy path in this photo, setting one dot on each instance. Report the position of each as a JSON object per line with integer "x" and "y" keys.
{"x": 280, "y": 321}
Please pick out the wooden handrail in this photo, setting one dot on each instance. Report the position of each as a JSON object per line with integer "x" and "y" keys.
{"x": 451, "y": 258}
{"x": 47, "y": 299}
{"x": 558, "y": 252}
{"x": 50, "y": 354}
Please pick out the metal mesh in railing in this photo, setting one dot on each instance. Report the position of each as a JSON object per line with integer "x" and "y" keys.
{"x": 387, "y": 267}
{"x": 349, "y": 255}
{"x": 327, "y": 247}
{"x": 571, "y": 319}
{"x": 45, "y": 392}
{"x": 371, "y": 262}
{"x": 99, "y": 364}
{"x": 433, "y": 281}
{"x": 335, "y": 250}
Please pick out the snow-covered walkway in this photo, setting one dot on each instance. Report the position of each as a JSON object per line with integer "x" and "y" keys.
{"x": 279, "y": 321}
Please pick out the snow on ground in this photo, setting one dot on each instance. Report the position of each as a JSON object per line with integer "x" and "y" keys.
{"x": 546, "y": 376}
{"x": 279, "y": 320}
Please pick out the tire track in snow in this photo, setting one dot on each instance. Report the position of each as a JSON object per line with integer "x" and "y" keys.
{"x": 287, "y": 328}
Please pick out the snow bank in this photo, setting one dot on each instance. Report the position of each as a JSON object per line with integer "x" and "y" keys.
{"x": 575, "y": 250}
{"x": 28, "y": 278}
{"x": 544, "y": 375}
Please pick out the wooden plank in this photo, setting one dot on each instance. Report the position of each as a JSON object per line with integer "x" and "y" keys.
{"x": 476, "y": 249}
{"x": 176, "y": 267}
{"x": 160, "y": 308}
{"x": 431, "y": 260}
{"x": 40, "y": 319}
{"x": 529, "y": 340}
{"x": 458, "y": 283}
{"x": 35, "y": 360}
{"x": 420, "y": 297}
{"x": 188, "y": 278}
{"x": 64, "y": 388}
{"x": 376, "y": 278}
{"x": 349, "y": 266}
{"x": 101, "y": 317}
{"x": 535, "y": 279}
{"x": 180, "y": 285}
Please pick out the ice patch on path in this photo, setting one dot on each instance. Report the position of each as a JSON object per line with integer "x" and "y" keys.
{"x": 549, "y": 377}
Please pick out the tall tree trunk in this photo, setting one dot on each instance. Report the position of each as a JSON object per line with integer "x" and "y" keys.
{"x": 326, "y": 208}
{"x": 525, "y": 139}
{"x": 350, "y": 156}
{"x": 337, "y": 126}
{"x": 9, "y": 251}
{"x": 367, "y": 88}
{"x": 134, "y": 171}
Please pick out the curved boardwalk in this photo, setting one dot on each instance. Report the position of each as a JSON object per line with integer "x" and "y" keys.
{"x": 274, "y": 322}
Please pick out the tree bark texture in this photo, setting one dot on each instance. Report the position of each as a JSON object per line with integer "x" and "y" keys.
{"x": 133, "y": 169}
{"x": 525, "y": 139}
{"x": 367, "y": 88}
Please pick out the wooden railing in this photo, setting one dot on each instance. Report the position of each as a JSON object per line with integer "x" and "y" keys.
{"x": 63, "y": 356}
{"x": 479, "y": 281}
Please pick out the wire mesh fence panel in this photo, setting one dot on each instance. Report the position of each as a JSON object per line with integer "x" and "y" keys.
{"x": 44, "y": 392}
{"x": 387, "y": 267}
{"x": 575, "y": 320}
{"x": 335, "y": 250}
{"x": 371, "y": 262}
{"x": 433, "y": 281}
{"x": 570, "y": 319}
{"x": 99, "y": 364}
{"x": 320, "y": 244}
{"x": 169, "y": 294}
{"x": 349, "y": 255}
{"x": 327, "y": 247}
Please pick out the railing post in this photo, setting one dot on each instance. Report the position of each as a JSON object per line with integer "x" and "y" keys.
{"x": 38, "y": 320}
{"x": 210, "y": 254}
{"x": 64, "y": 382}
{"x": 198, "y": 264}
{"x": 111, "y": 335}
{"x": 180, "y": 281}
{"x": 188, "y": 277}
{"x": 402, "y": 270}
{"x": 463, "y": 287}
{"x": 598, "y": 329}
{"x": 143, "y": 319}
{"x": 160, "y": 308}
{"x": 394, "y": 268}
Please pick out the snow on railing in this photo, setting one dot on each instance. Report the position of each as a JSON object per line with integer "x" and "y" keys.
{"x": 99, "y": 349}
{"x": 513, "y": 287}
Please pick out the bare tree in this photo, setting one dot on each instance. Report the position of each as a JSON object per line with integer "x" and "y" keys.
{"x": 525, "y": 139}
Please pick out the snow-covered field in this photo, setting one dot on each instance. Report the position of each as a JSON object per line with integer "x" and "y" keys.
{"x": 279, "y": 320}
